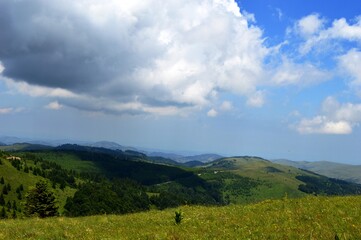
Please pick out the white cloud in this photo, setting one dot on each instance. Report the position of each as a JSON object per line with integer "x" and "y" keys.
{"x": 291, "y": 73}
{"x": 340, "y": 30}
{"x": 6, "y": 110}
{"x": 309, "y": 25}
{"x": 350, "y": 64}
{"x": 212, "y": 113}
{"x": 1, "y": 67}
{"x": 170, "y": 55}
{"x": 226, "y": 106}
{"x": 36, "y": 91}
{"x": 11, "y": 110}
{"x": 336, "y": 118}
{"x": 54, "y": 105}
{"x": 279, "y": 13}
{"x": 256, "y": 100}
{"x": 320, "y": 124}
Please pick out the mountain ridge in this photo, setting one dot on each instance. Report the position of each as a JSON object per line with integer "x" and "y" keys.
{"x": 347, "y": 172}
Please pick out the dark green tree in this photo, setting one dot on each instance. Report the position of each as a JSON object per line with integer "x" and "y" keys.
{"x": 13, "y": 215}
{"x": 19, "y": 196}
{"x": 9, "y": 187}
{"x": 5, "y": 190}
{"x": 41, "y": 202}
{"x": 3, "y": 213}
{"x": 2, "y": 181}
{"x": 2, "y": 200}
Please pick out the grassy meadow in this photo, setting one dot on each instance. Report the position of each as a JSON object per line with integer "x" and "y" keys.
{"x": 302, "y": 218}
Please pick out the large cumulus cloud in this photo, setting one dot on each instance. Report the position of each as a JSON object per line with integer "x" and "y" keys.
{"x": 131, "y": 56}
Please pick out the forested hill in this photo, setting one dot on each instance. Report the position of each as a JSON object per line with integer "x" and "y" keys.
{"x": 129, "y": 181}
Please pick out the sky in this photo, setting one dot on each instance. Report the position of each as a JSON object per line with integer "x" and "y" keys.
{"x": 268, "y": 78}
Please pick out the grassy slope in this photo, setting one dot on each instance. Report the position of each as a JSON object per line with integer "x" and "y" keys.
{"x": 68, "y": 161}
{"x": 15, "y": 178}
{"x": 345, "y": 172}
{"x": 305, "y": 218}
{"x": 275, "y": 180}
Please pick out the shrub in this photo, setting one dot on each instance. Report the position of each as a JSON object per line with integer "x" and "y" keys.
{"x": 178, "y": 217}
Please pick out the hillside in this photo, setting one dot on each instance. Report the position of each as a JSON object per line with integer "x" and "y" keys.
{"x": 237, "y": 179}
{"x": 20, "y": 181}
{"x": 347, "y": 172}
{"x": 305, "y": 218}
{"x": 158, "y": 183}
{"x": 249, "y": 179}
{"x": 24, "y": 147}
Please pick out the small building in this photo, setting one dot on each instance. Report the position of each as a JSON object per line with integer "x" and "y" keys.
{"x": 13, "y": 158}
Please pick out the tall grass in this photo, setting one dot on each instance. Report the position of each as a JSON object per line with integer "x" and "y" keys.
{"x": 305, "y": 218}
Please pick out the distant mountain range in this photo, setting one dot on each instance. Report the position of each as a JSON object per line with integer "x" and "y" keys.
{"x": 111, "y": 145}
{"x": 203, "y": 158}
{"x": 347, "y": 172}
{"x": 14, "y": 144}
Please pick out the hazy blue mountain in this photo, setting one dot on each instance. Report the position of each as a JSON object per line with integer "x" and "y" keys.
{"x": 24, "y": 147}
{"x": 11, "y": 140}
{"x": 172, "y": 156}
{"x": 201, "y": 158}
{"x": 183, "y": 159}
{"x": 111, "y": 145}
{"x": 347, "y": 172}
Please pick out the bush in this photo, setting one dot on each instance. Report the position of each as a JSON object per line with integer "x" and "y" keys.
{"x": 178, "y": 217}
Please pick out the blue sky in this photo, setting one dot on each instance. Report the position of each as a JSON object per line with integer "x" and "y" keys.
{"x": 264, "y": 77}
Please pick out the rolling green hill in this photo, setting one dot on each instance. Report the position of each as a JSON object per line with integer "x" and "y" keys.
{"x": 249, "y": 179}
{"x": 304, "y": 218}
{"x": 347, "y": 172}
{"x": 86, "y": 171}
{"x": 16, "y": 178}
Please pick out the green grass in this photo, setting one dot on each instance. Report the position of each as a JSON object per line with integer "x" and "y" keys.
{"x": 28, "y": 180}
{"x": 67, "y": 161}
{"x": 305, "y": 218}
{"x": 274, "y": 180}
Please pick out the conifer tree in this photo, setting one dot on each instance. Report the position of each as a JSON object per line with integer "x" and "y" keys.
{"x": 2, "y": 181}
{"x": 5, "y": 190}
{"x": 40, "y": 201}
{"x": 19, "y": 196}
{"x": 3, "y": 213}
{"x": 2, "y": 200}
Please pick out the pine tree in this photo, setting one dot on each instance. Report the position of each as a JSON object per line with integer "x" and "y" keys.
{"x": 5, "y": 190}
{"x": 19, "y": 196}
{"x": 3, "y": 213}
{"x": 14, "y": 214}
{"x": 40, "y": 201}
{"x": 9, "y": 187}
{"x": 2, "y": 200}
{"x": 2, "y": 181}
